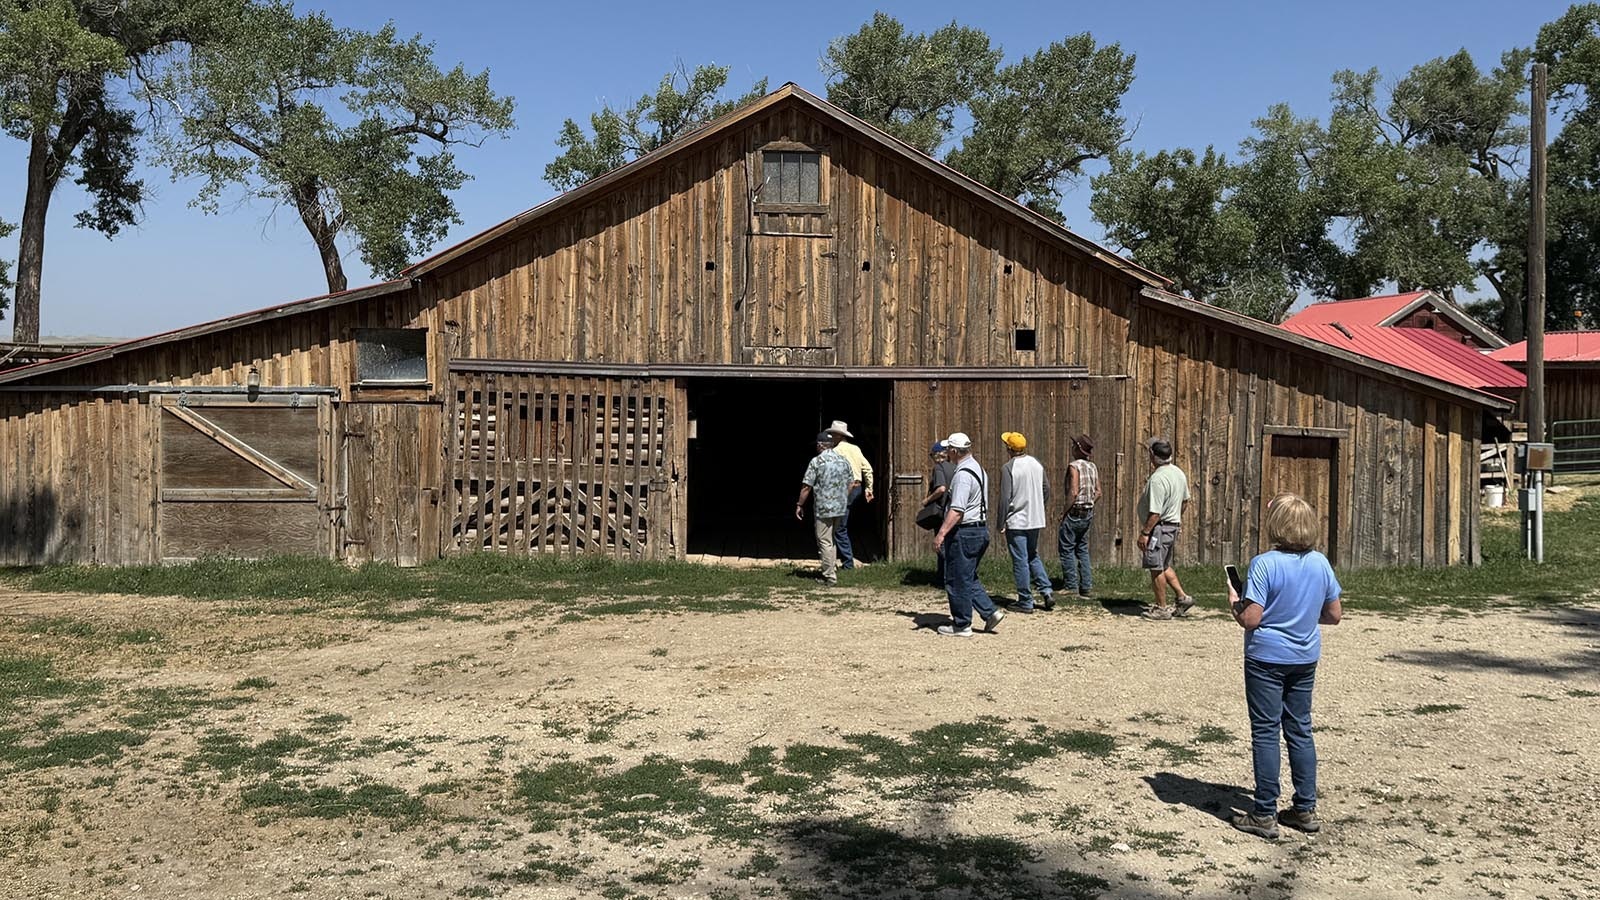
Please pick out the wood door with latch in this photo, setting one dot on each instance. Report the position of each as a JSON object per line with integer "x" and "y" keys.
{"x": 392, "y": 472}
{"x": 243, "y": 477}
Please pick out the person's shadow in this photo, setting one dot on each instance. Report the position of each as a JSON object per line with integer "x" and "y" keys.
{"x": 1207, "y": 796}
{"x": 925, "y": 620}
{"x": 1122, "y": 607}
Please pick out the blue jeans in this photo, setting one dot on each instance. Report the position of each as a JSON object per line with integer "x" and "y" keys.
{"x": 1279, "y": 698}
{"x": 1073, "y": 542}
{"x": 841, "y": 535}
{"x": 963, "y": 550}
{"x": 1026, "y": 566}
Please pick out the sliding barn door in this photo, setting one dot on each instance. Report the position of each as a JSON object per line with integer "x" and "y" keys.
{"x": 244, "y": 478}
{"x": 566, "y": 464}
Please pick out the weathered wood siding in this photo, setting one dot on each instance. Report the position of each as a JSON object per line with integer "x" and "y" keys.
{"x": 1048, "y": 412}
{"x": 659, "y": 269}
{"x": 79, "y": 481}
{"x": 1408, "y": 462}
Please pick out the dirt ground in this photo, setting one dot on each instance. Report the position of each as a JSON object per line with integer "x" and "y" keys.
{"x": 1457, "y": 754}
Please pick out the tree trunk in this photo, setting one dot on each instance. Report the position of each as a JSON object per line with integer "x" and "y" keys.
{"x": 1512, "y": 326}
{"x": 331, "y": 264}
{"x": 322, "y": 234}
{"x": 30, "y": 252}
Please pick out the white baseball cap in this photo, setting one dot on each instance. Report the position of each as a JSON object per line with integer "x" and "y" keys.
{"x": 958, "y": 441}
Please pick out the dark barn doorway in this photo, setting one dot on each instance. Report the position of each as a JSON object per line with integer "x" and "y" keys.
{"x": 750, "y": 442}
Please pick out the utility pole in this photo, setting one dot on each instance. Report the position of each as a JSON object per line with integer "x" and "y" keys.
{"x": 1534, "y": 464}
{"x": 1536, "y": 240}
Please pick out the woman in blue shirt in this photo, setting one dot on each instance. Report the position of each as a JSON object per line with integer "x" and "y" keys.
{"x": 1289, "y": 591}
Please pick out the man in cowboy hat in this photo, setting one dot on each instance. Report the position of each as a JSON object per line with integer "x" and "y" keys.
{"x": 1083, "y": 490}
{"x": 827, "y": 484}
{"x": 860, "y": 485}
{"x": 962, "y": 540}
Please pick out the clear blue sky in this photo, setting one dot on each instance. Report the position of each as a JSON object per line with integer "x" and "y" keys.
{"x": 1205, "y": 71}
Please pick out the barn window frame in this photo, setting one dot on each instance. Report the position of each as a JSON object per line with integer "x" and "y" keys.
{"x": 411, "y": 344}
{"x": 771, "y": 199}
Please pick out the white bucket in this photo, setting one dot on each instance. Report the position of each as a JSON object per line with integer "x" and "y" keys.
{"x": 1494, "y": 495}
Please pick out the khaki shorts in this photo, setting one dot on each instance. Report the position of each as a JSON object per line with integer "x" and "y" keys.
{"x": 1157, "y": 554}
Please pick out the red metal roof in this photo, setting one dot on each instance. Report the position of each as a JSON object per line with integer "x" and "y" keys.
{"x": 1417, "y": 349}
{"x": 1360, "y": 311}
{"x": 1559, "y": 346}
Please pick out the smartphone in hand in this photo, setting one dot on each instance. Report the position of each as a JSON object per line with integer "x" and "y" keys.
{"x": 1235, "y": 580}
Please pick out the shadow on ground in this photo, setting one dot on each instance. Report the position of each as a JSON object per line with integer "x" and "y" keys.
{"x": 1580, "y": 624}
{"x": 1210, "y": 797}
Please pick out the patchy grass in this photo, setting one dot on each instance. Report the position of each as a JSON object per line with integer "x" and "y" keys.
{"x": 325, "y": 802}
{"x": 588, "y": 587}
{"x": 28, "y": 679}
{"x": 1433, "y": 709}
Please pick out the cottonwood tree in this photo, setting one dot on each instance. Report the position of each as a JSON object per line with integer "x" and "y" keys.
{"x": 352, "y": 130}
{"x": 1570, "y": 45}
{"x": 1038, "y": 121}
{"x": 910, "y": 85}
{"x": 1414, "y": 186}
{"x": 682, "y": 101}
{"x": 61, "y": 68}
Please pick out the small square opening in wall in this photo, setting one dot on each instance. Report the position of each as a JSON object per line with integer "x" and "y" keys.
{"x": 1026, "y": 340}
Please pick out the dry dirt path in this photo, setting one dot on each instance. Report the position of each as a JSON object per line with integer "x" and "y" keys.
{"x": 1457, "y": 754}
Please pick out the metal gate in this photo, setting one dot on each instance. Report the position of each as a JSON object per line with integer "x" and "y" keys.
{"x": 1577, "y": 443}
{"x": 565, "y": 464}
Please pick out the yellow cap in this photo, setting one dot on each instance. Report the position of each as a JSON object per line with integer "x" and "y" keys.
{"x": 1015, "y": 441}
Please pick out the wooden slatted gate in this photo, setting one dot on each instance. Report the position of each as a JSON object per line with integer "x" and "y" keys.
{"x": 243, "y": 477}
{"x": 565, "y": 464}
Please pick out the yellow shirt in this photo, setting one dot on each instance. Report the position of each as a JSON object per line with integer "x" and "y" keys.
{"x": 860, "y": 469}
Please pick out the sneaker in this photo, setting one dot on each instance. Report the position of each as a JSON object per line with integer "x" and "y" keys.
{"x": 1185, "y": 604}
{"x": 1084, "y": 595}
{"x": 1300, "y": 820}
{"x": 990, "y": 623}
{"x": 1019, "y": 608}
{"x": 830, "y": 582}
{"x": 1049, "y": 602}
{"x": 1260, "y": 826}
{"x": 1159, "y": 613}
{"x": 950, "y": 631}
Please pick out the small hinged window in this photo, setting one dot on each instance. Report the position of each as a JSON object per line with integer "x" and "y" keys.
{"x": 791, "y": 176}
{"x": 392, "y": 355}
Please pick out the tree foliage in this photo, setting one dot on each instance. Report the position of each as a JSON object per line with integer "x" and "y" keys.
{"x": 682, "y": 102}
{"x": 1571, "y": 47}
{"x": 1417, "y": 185}
{"x": 1041, "y": 119}
{"x": 910, "y": 85}
{"x": 61, "y": 62}
{"x": 353, "y": 130}
{"x": 1034, "y": 123}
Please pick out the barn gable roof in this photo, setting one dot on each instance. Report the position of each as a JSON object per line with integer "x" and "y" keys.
{"x": 792, "y": 93}
{"x": 1385, "y": 311}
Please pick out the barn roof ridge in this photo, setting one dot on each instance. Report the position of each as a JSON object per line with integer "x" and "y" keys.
{"x": 1280, "y": 335}
{"x": 1391, "y": 308}
{"x": 790, "y": 91}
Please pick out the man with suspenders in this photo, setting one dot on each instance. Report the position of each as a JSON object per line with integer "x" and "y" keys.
{"x": 962, "y": 539}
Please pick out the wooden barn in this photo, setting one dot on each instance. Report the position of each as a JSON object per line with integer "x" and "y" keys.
{"x": 637, "y": 367}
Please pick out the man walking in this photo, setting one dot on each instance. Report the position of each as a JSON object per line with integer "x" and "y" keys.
{"x": 860, "y": 485}
{"x": 1083, "y": 490}
{"x": 962, "y": 539}
{"x": 1024, "y": 496}
{"x": 1160, "y": 515}
{"x": 827, "y": 483}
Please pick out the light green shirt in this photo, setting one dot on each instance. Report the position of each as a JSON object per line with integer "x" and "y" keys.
{"x": 860, "y": 469}
{"x": 1164, "y": 494}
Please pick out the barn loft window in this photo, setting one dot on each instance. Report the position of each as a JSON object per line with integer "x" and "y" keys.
{"x": 392, "y": 355}
{"x": 791, "y": 177}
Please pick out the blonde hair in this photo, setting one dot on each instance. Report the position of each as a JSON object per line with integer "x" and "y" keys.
{"x": 1292, "y": 524}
